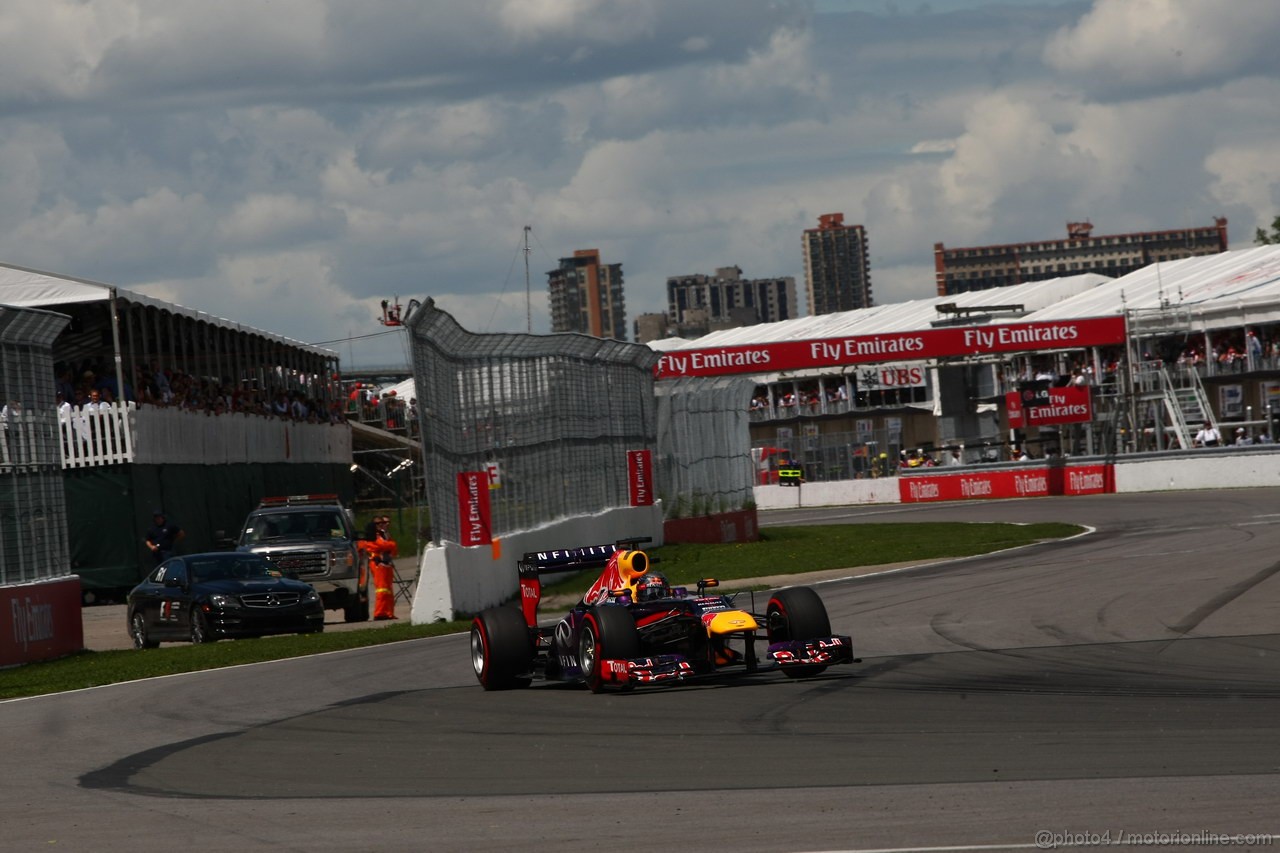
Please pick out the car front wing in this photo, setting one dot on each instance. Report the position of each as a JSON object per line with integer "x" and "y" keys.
{"x": 658, "y": 669}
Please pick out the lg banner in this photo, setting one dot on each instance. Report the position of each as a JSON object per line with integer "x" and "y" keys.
{"x": 640, "y": 476}
{"x": 1072, "y": 404}
{"x": 473, "y": 509}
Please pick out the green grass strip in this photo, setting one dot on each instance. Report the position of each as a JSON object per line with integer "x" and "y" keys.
{"x": 780, "y": 551}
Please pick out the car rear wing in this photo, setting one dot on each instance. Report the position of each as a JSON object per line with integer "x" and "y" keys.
{"x": 534, "y": 564}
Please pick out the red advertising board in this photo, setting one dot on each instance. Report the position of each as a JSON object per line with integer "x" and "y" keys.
{"x": 640, "y": 477}
{"x": 40, "y": 621}
{"x": 1072, "y": 404}
{"x": 957, "y": 341}
{"x": 1032, "y": 481}
{"x": 473, "y": 509}
{"x": 1089, "y": 480}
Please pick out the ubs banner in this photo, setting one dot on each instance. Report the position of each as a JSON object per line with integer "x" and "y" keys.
{"x": 473, "y": 509}
{"x": 1031, "y": 481}
{"x": 40, "y": 621}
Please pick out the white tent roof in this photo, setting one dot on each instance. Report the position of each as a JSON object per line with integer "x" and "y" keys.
{"x": 1226, "y": 290}
{"x": 1230, "y": 289}
{"x": 26, "y": 288}
{"x": 896, "y": 316}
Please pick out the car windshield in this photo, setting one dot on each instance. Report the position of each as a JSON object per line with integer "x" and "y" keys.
{"x": 230, "y": 568}
{"x": 319, "y": 524}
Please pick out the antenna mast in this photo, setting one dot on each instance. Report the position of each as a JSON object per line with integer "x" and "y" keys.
{"x": 528, "y": 309}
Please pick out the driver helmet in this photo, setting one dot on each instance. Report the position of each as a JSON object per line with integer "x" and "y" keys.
{"x": 652, "y": 586}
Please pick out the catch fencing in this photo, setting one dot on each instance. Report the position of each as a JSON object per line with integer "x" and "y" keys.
{"x": 550, "y": 418}
{"x": 33, "y": 514}
{"x": 703, "y": 440}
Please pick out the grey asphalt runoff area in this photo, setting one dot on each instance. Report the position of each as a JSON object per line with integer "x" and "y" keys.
{"x": 1123, "y": 682}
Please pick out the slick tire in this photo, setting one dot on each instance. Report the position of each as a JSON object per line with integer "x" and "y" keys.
{"x": 501, "y": 649}
{"x": 608, "y": 632}
{"x": 797, "y": 613}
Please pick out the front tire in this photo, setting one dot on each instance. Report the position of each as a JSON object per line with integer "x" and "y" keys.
{"x": 199, "y": 626}
{"x": 797, "y": 613}
{"x": 138, "y": 630}
{"x": 608, "y": 632}
{"x": 501, "y": 649}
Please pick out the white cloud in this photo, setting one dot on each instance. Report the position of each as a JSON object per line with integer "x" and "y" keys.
{"x": 291, "y": 163}
{"x": 1158, "y": 45}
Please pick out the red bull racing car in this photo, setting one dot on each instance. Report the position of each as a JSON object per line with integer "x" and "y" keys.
{"x": 631, "y": 628}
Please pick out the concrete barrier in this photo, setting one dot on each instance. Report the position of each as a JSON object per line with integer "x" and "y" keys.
{"x": 882, "y": 490}
{"x": 454, "y": 581}
{"x": 41, "y": 620}
{"x": 1208, "y": 468}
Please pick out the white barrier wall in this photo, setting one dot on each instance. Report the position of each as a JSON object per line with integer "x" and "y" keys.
{"x": 1214, "y": 468}
{"x": 455, "y": 580}
{"x": 883, "y": 490}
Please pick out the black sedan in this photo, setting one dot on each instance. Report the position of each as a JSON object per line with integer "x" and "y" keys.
{"x": 206, "y": 597}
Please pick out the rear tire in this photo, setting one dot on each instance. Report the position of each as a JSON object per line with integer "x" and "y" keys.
{"x": 607, "y": 632}
{"x": 501, "y": 649}
{"x": 797, "y": 613}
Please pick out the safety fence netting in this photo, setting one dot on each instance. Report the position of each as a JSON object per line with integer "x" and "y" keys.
{"x": 550, "y": 419}
{"x": 704, "y": 445}
{"x": 33, "y": 515}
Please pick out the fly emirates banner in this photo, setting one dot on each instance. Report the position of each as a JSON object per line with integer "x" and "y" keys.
{"x": 951, "y": 342}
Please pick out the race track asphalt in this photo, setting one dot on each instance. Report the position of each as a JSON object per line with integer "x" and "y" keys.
{"x": 1127, "y": 681}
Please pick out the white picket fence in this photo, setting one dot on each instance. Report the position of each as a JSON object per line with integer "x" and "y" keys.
{"x": 115, "y": 434}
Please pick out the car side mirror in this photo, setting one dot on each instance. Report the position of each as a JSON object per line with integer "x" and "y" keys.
{"x": 706, "y": 583}
{"x": 173, "y": 583}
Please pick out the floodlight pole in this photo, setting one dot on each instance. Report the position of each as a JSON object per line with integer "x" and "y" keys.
{"x": 528, "y": 307}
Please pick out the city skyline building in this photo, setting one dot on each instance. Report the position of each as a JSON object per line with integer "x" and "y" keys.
{"x": 726, "y": 299}
{"x": 698, "y": 304}
{"x": 586, "y": 296}
{"x": 971, "y": 268}
{"x": 837, "y": 269}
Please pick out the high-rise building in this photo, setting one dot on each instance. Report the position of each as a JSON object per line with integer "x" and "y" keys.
{"x": 983, "y": 267}
{"x": 836, "y": 267}
{"x": 586, "y": 296}
{"x": 726, "y": 300}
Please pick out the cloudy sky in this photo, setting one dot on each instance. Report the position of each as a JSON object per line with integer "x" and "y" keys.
{"x": 290, "y": 163}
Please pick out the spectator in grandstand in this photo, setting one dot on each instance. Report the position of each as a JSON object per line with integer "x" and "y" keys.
{"x": 1208, "y": 436}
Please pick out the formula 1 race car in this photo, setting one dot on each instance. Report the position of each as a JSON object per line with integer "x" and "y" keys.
{"x": 632, "y": 628}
